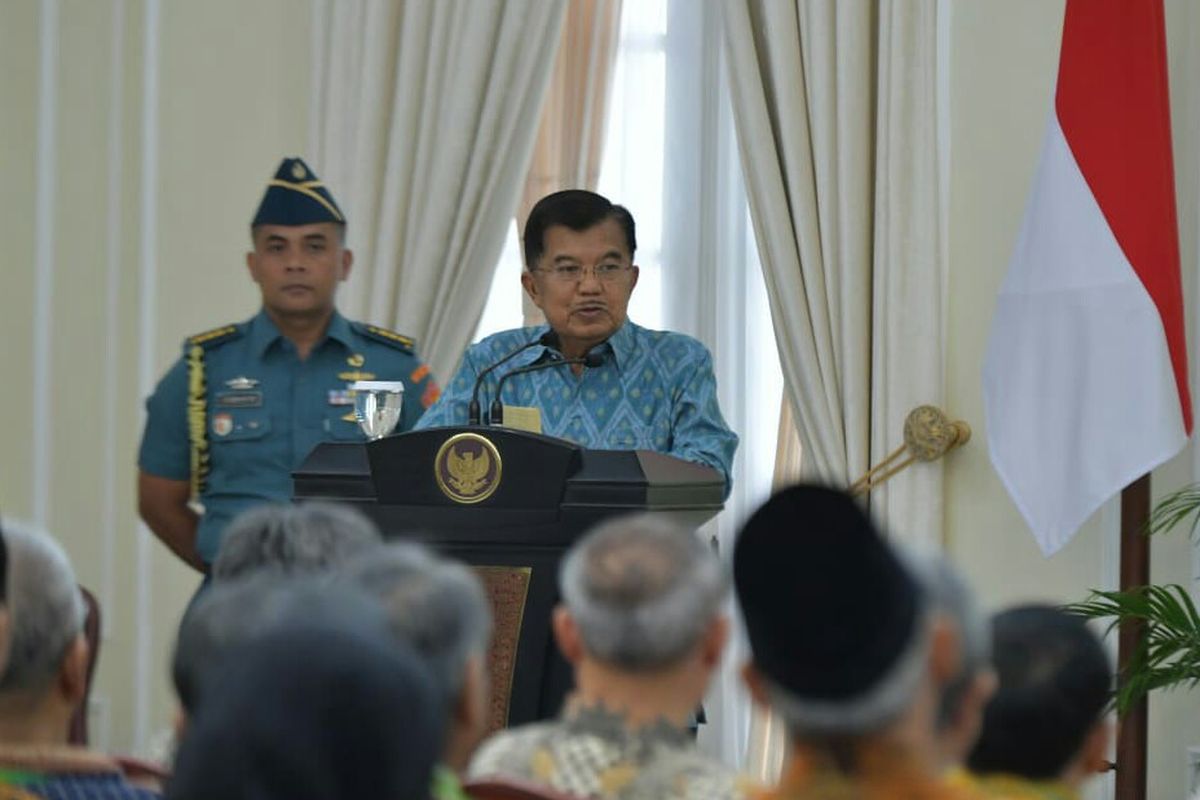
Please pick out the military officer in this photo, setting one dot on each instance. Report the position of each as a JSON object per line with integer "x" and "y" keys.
{"x": 246, "y": 402}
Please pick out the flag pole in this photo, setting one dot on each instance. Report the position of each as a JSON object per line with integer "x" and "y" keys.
{"x": 1135, "y": 572}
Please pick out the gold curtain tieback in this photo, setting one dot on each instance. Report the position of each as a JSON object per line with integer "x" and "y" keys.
{"x": 928, "y": 435}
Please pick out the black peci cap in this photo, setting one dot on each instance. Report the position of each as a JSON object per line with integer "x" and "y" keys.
{"x": 829, "y": 608}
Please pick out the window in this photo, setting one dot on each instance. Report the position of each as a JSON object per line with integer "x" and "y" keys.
{"x": 631, "y": 172}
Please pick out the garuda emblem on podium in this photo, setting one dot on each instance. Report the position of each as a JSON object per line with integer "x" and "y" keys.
{"x": 468, "y": 468}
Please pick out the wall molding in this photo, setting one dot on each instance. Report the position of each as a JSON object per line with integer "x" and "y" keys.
{"x": 112, "y": 348}
{"x": 44, "y": 255}
{"x": 147, "y": 334}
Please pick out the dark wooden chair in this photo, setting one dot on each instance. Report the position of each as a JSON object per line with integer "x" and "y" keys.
{"x": 91, "y": 632}
{"x": 497, "y": 788}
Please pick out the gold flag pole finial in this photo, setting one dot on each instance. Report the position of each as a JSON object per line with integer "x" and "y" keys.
{"x": 928, "y": 435}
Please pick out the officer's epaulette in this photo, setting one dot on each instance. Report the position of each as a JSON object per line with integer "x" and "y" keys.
{"x": 215, "y": 336}
{"x": 397, "y": 340}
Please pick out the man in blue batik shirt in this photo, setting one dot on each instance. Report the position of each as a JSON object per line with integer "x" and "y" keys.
{"x": 650, "y": 390}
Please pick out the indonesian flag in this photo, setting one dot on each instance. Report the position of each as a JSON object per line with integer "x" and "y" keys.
{"x": 1085, "y": 378}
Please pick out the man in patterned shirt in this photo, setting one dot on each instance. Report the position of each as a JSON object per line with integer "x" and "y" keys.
{"x": 45, "y": 680}
{"x": 643, "y": 628}
{"x": 646, "y": 390}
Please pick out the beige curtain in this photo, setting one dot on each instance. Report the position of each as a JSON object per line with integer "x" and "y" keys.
{"x": 767, "y": 748}
{"x": 570, "y": 138}
{"x": 836, "y": 106}
{"x": 424, "y": 118}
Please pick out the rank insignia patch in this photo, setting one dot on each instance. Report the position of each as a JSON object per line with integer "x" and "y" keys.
{"x": 241, "y": 383}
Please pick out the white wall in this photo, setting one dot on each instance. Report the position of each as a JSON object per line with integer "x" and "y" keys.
{"x": 232, "y": 86}
{"x": 1004, "y": 57}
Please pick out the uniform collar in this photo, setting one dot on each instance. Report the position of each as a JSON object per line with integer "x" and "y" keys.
{"x": 263, "y": 333}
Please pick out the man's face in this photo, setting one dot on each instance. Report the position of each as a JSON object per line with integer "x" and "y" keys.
{"x": 298, "y": 268}
{"x": 587, "y": 307}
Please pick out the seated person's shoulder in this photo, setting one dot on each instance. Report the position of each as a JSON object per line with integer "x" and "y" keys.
{"x": 510, "y": 752}
{"x": 689, "y": 773}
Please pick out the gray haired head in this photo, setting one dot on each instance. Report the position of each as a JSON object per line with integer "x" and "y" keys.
{"x": 228, "y": 615}
{"x": 46, "y": 606}
{"x": 950, "y": 596}
{"x": 293, "y": 539}
{"x": 642, "y": 591}
{"x": 435, "y": 605}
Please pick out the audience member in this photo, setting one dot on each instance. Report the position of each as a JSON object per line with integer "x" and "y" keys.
{"x": 845, "y": 648}
{"x": 226, "y": 617}
{"x": 438, "y": 607}
{"x": 46, "y": 678}
{"x": 1044, "y": 732}
{"x": 314, "y": 711}
{"x": 293, "y": 539}
{"x": 960, "y": 708}
{"x": 642, "y": 625}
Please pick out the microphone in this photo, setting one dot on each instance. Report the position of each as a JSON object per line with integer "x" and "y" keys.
{"x": 547, "y": 339}
{"x": 496, "y": 414}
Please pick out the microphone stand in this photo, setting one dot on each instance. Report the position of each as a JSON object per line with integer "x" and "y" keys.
{"x": 496, "y": 413}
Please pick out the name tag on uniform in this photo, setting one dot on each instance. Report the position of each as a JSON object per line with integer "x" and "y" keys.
{"x": 341, "y": 397}
{"x": 239, "y": 399}
{"x": 523, "y": 418}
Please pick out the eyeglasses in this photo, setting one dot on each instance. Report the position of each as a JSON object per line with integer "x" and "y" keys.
{"x": 573, "y": 273}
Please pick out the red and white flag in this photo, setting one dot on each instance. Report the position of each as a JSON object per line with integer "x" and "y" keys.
{"x": 1085, "y": 378}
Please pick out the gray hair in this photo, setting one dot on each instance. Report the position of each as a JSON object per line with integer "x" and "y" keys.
{"x": 228, "y": 615}
{"x": 293, "y": 539}
{"x": 950, "y": 596}
{"x": 435, "y": 605}
{"x": 46, "y": 607}
{"x": 642, "y": 591}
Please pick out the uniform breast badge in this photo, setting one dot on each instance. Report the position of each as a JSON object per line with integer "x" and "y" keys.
{"x": 222, "y": 424}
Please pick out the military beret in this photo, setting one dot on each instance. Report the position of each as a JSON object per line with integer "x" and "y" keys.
{"x": 829, "y": 608}
{"x": 296, "y": 196}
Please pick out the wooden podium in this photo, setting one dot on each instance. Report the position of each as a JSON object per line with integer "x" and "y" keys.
{"x": 509, "y": 503}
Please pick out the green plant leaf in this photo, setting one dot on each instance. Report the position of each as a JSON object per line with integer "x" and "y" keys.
{"x": 1174, "y": 509}
{"x": 1169, "y": 653}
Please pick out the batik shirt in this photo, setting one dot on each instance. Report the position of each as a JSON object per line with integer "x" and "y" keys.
{"x": 63, "y": 773}
{"x": 653, "y": 390}
{"x": 591, "y": 753}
